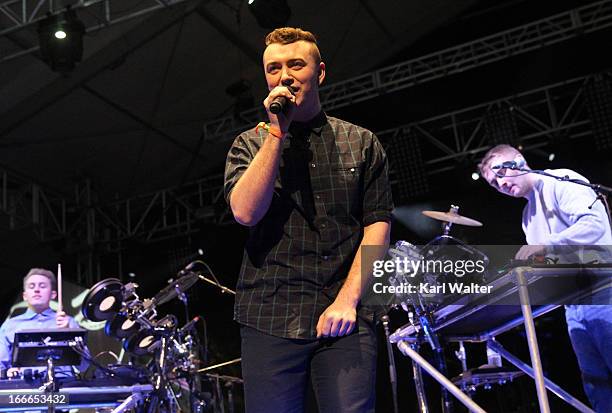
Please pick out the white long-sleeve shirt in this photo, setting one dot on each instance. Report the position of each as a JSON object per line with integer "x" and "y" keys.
{"x": 557, "y": 213}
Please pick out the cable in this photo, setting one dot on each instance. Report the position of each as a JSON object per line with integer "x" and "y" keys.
{"x": 107, "y": 352}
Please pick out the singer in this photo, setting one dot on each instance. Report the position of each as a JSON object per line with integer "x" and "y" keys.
{"x": 312, "y": 189}
{"x": 564, "y": 214}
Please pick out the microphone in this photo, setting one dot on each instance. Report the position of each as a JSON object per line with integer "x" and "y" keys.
{"x": 278, "y": 105}
{"x": 506, "y": 165}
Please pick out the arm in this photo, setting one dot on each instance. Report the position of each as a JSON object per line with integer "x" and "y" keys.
{"x": 586, "y": 226}
{"x": 251, "y": 196}
{"x": 5, "y": 348}
{"x": 339, "y": 318}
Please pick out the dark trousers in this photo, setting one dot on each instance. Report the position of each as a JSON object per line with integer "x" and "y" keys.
{"x": 276, "y": 372}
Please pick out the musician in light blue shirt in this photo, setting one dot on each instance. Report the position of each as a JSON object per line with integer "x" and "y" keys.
{"x": 39, "y": 288}
{"x": 565, "y": 218}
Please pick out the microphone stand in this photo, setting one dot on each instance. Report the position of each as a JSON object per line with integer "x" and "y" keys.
{"x": 598, "y": 188}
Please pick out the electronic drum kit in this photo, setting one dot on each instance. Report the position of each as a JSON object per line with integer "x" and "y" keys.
{"x": 174, "y": 350}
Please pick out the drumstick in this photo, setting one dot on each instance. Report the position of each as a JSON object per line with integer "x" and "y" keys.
{"x": 59, "y": 288}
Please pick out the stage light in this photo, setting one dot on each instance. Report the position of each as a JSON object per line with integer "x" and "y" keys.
{"x": 542, "y": 154}
{"x": 500, "y": 126}
{"x": 409, "y": 169}
{"x": 475, "y": 176}
{"x": 270, "y": 14}
{"x": 60, "y": 37}
{"x": 598, "y": 98}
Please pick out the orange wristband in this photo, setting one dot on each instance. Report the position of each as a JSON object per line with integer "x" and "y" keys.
{"x": 277, "y": 133}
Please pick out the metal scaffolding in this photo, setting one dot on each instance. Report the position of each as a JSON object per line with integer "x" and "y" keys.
{"x": 92, "y": 230}
{"x": 538, "y": 34}
{"x": 26, "y": 204}
{"x": 543, "y": 116}
{"x": 21, "y": 14}
{"x": 546, "y": 115}
{"x": 159, "y": 215}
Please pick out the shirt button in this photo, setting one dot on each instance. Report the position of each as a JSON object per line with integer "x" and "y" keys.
{"x": 325, "y": 257}
{"x": 352, "y": 169}
{"x": 313, "y": 165}
{"x": 318, "y": 196}
{"x": 324, "y": 225}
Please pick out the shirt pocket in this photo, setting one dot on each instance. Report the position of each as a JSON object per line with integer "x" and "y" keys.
{"x": 346, "y": 181}
{"x": 349, "y": 171}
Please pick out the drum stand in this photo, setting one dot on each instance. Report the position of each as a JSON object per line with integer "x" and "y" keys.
{"x": 536, "y": 372}
{"x": 418, "y": 363}
{"x": 479, "y": 322}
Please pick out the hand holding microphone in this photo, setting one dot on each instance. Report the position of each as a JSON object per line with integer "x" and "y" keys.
{"x": 280, "y": 104}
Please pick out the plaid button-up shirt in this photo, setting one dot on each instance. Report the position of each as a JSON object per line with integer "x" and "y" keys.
{"x": 332, "y": 182}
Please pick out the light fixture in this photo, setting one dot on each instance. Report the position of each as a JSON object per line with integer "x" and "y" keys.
{"x": 60, "y": 37}
{"x": 270, "y": 14}
{"x": 542, "y": 154}
{"x": 410, "y": 179}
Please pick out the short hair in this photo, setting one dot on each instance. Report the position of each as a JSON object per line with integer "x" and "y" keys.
{"x": 494, "y": 151}
{"x": 45, "y": 273}
{"x": 288, "y": 35}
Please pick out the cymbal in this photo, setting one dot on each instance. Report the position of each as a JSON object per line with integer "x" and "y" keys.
{"x": 171, "y": 291}
{"x": 452, "y": 217}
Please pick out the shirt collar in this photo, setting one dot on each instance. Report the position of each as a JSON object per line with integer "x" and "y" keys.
{"x": 315, "y": 124}
{"x": 30, "y": 314}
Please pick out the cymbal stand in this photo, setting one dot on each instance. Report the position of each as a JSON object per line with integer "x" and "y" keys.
{"x": 446, "y": 226}
{"x": 425, "y": 320}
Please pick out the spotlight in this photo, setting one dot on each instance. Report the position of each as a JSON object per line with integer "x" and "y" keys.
{"x": 475, "y": 176}
{"x": 270, "y": 14}
{"x": 549, "y": 156}
{"x": 405, "y": 159}
{"x": 60, "y": 37}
